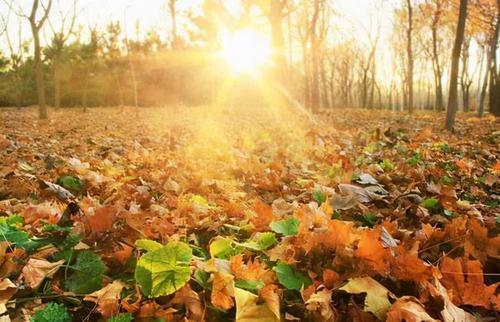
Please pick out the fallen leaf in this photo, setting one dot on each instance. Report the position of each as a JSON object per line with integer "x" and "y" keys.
{"x": 248, "y": 309}
{"x": 409, "y": 309}
{"x": 222, "y": 291}
{"x": 270, "y": 295}
{"x": 107, "y": 299}
{"x": 377, "y": 296}
{"x": 321, "y": 303}
{"x": 7, "y": 290}
{"x": 36, "y": 270}
{"x": 191, "y": 300}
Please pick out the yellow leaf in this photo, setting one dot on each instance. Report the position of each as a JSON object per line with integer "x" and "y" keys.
{"x": 376, "y": 301}
{"x": 247, "y": 309}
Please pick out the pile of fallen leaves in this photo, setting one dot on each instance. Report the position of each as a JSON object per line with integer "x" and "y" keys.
{"x": 204, "y": 215}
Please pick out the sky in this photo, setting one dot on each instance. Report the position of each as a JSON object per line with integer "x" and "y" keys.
{"x": 153, "y": 14}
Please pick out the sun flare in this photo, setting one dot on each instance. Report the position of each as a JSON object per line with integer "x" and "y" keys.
{"x": 245, "y": 50}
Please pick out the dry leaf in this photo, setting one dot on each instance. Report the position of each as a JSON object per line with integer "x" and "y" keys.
{"x": 7, "y": 290}
{"x": 248, "y": 309}
{"x": 107, "y": 299}
{"x": 409, "y": 309}
{"x": 377, "y": 296}
{"x": 222, "y": 291}
{"x": 321, "y": 303}
{"x": 36, "y": 270}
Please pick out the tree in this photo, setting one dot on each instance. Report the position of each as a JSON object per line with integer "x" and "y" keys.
{"x": 409, "y": 53}
{"x": 455, "y": 59}
{"x": 88, "y": 60}
{"x": 58, "y": 51}
{"x": 16, "y": 59}
{"x": 36, "y": 25}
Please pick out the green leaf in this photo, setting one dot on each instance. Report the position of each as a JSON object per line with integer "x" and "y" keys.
{"x": 430, "y": 203}
{"x": 448, "y": 213}
{"x": 88, "y": 273}
{"x": 15, "y": 220}
{"x": 445, "y": 148}
{"x": 415, "y": 159}
{"x": 319, "y": 196}
{"x": 386, "y": 165}
{"x": 201, "y": 277}
{"x": 287, "y": 227}
{"x": 165, "y": 270}
{"x": 249, "y": 285}
{"x": 290, "y": 278}
{"x": 52, "y": 313}
{"x": 53, "y": 228}
{"x": 122, "y": 317}
{"x": 70, "y": 183}
{"x": 11, "y": 233}
{"x": 261, "y": 241}
{"x": 148, "y": 245}
{"x": 221, "y": 248}
{"x": 367, "y": 219}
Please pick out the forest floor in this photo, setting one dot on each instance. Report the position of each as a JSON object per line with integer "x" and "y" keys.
{"x": 248, "y": 214}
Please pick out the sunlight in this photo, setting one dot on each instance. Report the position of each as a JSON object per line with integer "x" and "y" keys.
{"x": 245, "y": 51}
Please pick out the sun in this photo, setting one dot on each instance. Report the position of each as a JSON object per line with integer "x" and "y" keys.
{"x": 245, "y": 51}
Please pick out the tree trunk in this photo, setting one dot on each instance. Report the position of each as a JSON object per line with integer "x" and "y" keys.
{"x": 437, "y": 66}
{"x": 324, "y": 82}
{"x": 315, "y": 98}
{"x": 85, "y": 93}
{"x": 57, "y": 86}
{"x": 278, "y": 39}
{"x": 455, "y": 60}
{"x": 40, "y": 82}
{"x": 494, "y": 73}
{"x": 409, "y": 51}
{"x": 482, "y": 97}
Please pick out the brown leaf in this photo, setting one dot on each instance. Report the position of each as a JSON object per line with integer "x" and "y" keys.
{"x": 450, "y": 312}
{"x": 270, "y": 295}
{"x": 7, "y": 290}
{"x": 103, "y": 218}
{"x": 409, "y": 309}
{"x": 191, "y": 300}
{"x": 36, "y": 270}
{"x": 107, "y": 299}
{"x": 223, "y": 291}
{"x": 321, "y": 303}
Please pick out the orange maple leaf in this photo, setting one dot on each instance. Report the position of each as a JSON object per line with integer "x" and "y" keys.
{"x": 408, "y": 267}
{"x": 263, "y": 216}
{"x": 222, "y": 291}
{"x": 252, "y": 270}
{"x": 467, "y": 286}
{"x": 370, "y": 249}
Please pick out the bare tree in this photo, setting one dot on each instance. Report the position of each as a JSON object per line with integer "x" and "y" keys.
{"x": 409, "y": 52}
{"x": 16, "y": 58}
{"x": 315, "y": 92}
{"x": 36, "y": 25}
{"x": 57, "y": 49}
{"x": 455, "y": 60}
